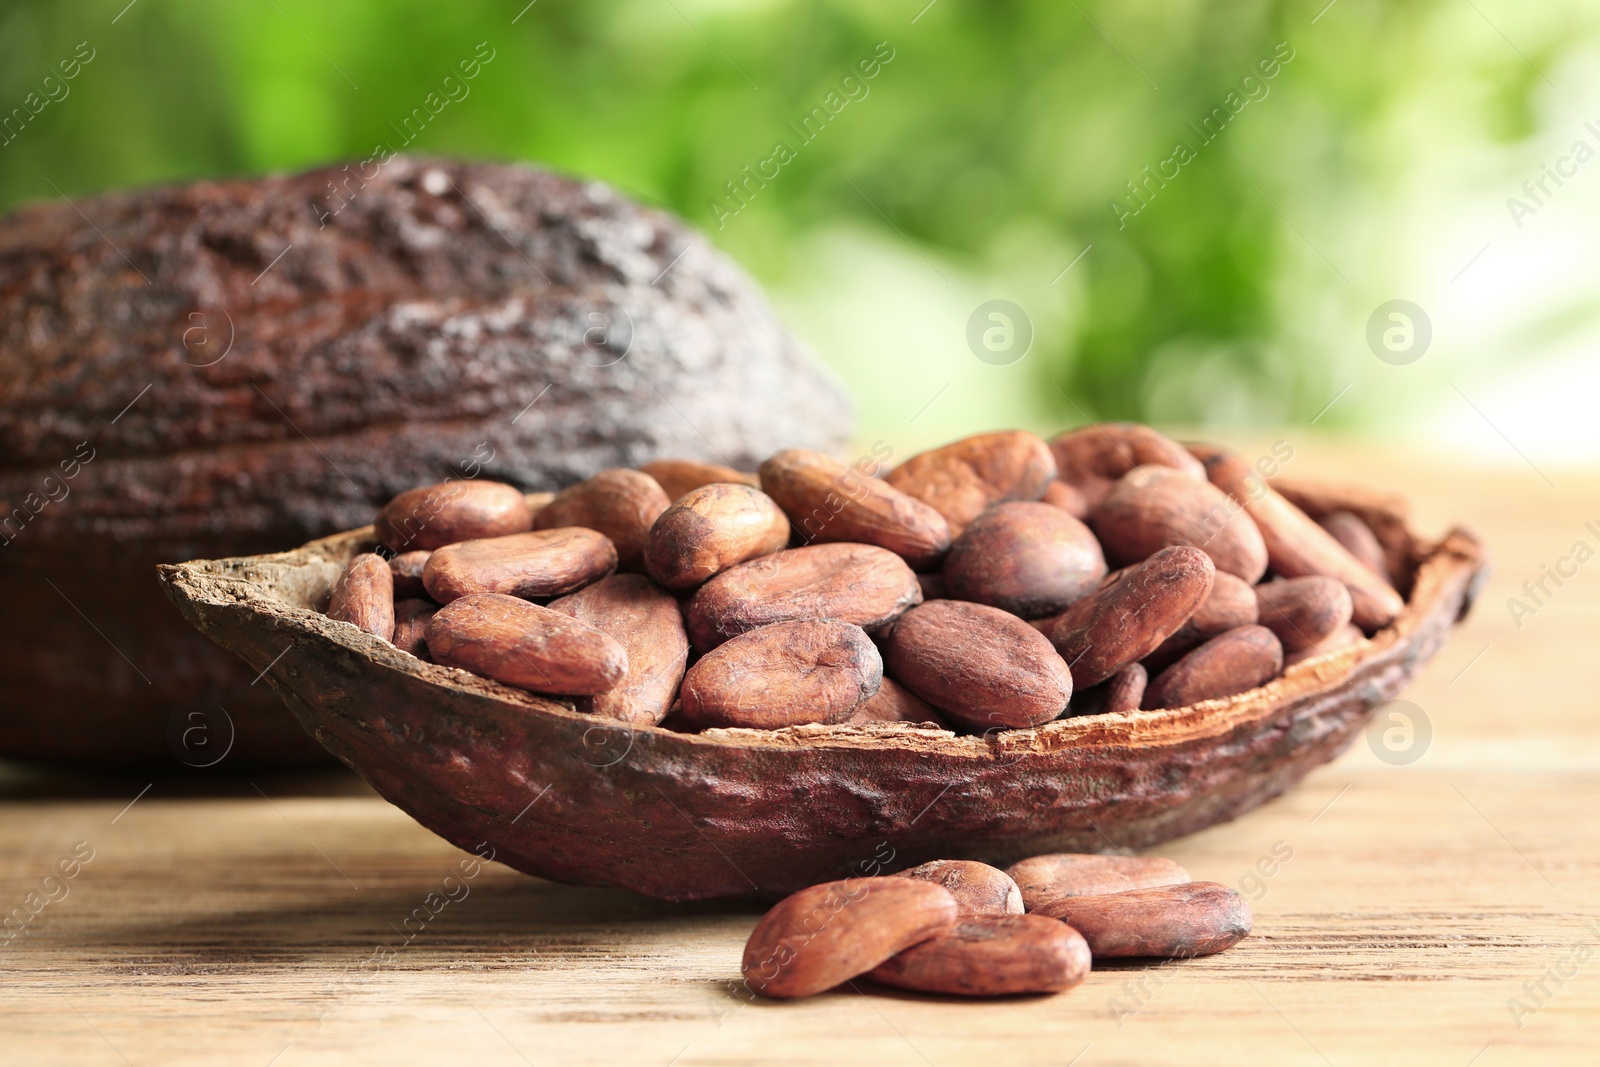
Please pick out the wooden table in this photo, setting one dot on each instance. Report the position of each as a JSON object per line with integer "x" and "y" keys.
{"x": 1431, "y": 913}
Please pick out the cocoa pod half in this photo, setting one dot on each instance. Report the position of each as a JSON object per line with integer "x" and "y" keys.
{"x": 411, "y": 626}
{"x": 622, "y": 504}
{"x": 1303, "y": 611}
{"x": 538, "y": 564}
{"x": 1126, "y": 619}
{"x": 1230, "y": 663}
{"x": 432, "y": 516}
{"x": 1171, "y": 921}
{"x": 1091, "y": 459}
{"x": 407, "y": 570}
{"x": 893, "y": 702}
{"x": 1044, "y": 879}
{"x": 979, "y": 889}
{"x": 962, "y": 478}
{"x": 646, "y": 622}
{"x": 1152, "y": 507}
{"x": 677, "y": 476}
{"x": 785, "y": 674}
{"x": 364, "y": 596}
{"x": 829, "y": 501}
{"x": 525, "y": 645}
{"x": 712, "y": 528}
{"x": 1232, "y": 603}
{"x": 980, "y": 665}
{"x": 991, "y": 956}
{"x": 830, "y": 933}
{"x": 1024, "y": 557}
{"x": 859, "y": 584}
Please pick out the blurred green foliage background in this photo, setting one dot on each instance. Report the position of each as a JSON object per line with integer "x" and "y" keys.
{"x": 981, "y": 162}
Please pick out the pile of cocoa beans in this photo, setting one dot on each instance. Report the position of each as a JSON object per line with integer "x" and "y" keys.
{"x": 965, "y": 928}
{"x": 969, "y": 587}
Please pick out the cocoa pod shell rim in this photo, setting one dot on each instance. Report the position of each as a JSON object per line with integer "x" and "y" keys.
{"x": 696, "y": 816}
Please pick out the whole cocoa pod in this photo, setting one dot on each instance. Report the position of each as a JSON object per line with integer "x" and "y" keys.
{"x": 538, "y": 564}
{"x": 979, "y": 889}
{"x": 962, "y": 478}
{"x": 1092, "y": 458}
{"x": 991, "y": 956}
{"x": 677, "y": 476}
{"x": 1172, "y": 921}
{"x": 832, "y": 932}
{"x": 1232, "y": 662}
{"x": 620, "y": 503}
{"x": 1044, "y": 879}
{"x": 829, "y": 501}
{"x": 1151, "y": 508}
{"x": 1024, "y": 557}
{"x": 364, "y": 596}
{"x": 785, "y": 674}
{"x": 1127, "y": 618}
{"x": 432, "y": 516}
{"x": 647, "y": 624}
{"x": 525, "y": 645}
{"x": 1303, "y": 611}
{"x": 710, "y": 529}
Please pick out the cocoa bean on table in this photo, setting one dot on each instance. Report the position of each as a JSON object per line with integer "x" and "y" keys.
{"x": 1171, "y": 921}
{"x": 991, "y": 956}
{"x": 1043, "y": 879}
{"x": 979, "y": 889}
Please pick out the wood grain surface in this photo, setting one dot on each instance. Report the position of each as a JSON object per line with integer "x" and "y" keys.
{"x": 1441, "y": 911}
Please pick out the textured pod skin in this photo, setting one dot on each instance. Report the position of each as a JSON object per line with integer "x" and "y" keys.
{"x": 1358, "y": 539}
{"x": 893, "y": 702}
{"x": 1303, "y": 611}
{"x": 537, "y": 564}
{"x": 992, "y": 956}
{"x": 962, "y": 478}
{"x": 1172, "y": 921}
{"x": 1232, "y": 602}
{"x": 1045, "y": 879}
{"x": 620, "y": 503}
{"x": 525, "y": 645}
{"x": 407, "y": 570}
{"x": 411, "y": 626}
{"x": 1151, "y": 508}
{"x": 679, "y": 816}
{"x": 1025, "y": 557}
{"x": 829, "y": 501}
{"x": 979, "y": 889}
{"x": 1092, "y": 458}
{"x": 677, "y": 476}
{"x": 830, "y": 933}
{"x": 364, "y": 596}
{"x": 1129, "y": 616}
{"x": 646, "y": 622}
{"x": 785, "y": 674}
{"x": 979, "y": 665}
{"x": 432, "y": 516}
{"x": 466, "y": 289}
{"x": 1230, "y": 663}
{"x": 712, "y": 528}
{"x": 859, "y": 584}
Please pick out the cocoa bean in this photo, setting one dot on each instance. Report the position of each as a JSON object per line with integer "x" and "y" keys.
{"x": 411, "y": 625}
{"x": 830, "y": 933}
{"x": 712, "y": 528}
{"x": 620, "y": 503}
{"x": 677, "y": 476}
{"x": 1358, "y": 539}
{"x": 525, "y": 645}
{"x": 1303, "y": 611}
{"x": 859, "y": 584}
{"x": 979, "y": 889}
{"x": 538, "y": 564}
{"x": 783, "y": 675}
{"x": 1152, "y": 507}
{"x": 1346, "y": 635}
{"x": 1092, "y": 458}
{"x": 1068, "y": 498}
{"x": 962, "y": 478}
{"x": 1297, "y": 547}
{"x": 432, "y": 516}
{"x": 1172, "y": 921}
{"x": 991, "y": 956}
{"x": 1045, "y": 879}
{"x": 407, "y": 570}
{"x": 893, "y": 702}
{"x": 1126, "y": 619}
{"x": 363, "y": 596}
{"x": 979, "y": 665}
{"x": 828, "y": 501}
{"x": 646, "y": 622}
{"x": 1025, "y": 557}
{"x": 1232, "y": 662}
{"x": 1232, "y": 603}
{"x": 1125, "y": 689}
{"x": 932, "y": 586}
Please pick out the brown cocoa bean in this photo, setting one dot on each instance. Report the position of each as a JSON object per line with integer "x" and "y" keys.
{"x": 991, "y": 956}
{"x": 1091, "y": 459}
{"x": 833, "y": 932}
{"x": 1303, "y": 611}
{"x": 620, "y": 503}
{"x": 977, "y": 664}
{"x": 979, "y": 889}
{"x": 710, "y": 529}
{"x": 1045, "y": 879}
{"x": 1297, "y": 547}
{"x": 828, "y": 501}
{"x": 1358, "y": 539}
{"x": 1024, "y": 557}
{"x": 1232, "y": 603}
{"x": 363, "y": 596}
{"x": 1152, "y": 507}
{"x": 1068, "y": 498}
{"x": 1125, "y": 689}
{"x": 677, "y": 476}
{"x": 407, "y": 570}
{"x": 525, "y": 645}
{"x": 893, "y": 702}
{"x": 411, "y": 626}
{"x": 646, "y": 622}
{"x": 1172, "y": 921}
{"x": 538, "y": 564}
{"x": 1126, "y": 619}
{"x": 1346, "y": 635}
{"x": 785, "y": 674}
{"x": 432, "y": 516}
{"x": 960, "y": 479}
{"x": 859, "y": 584}
{"x": 1232, "y": 662}
{"x": 932, "y": 586}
